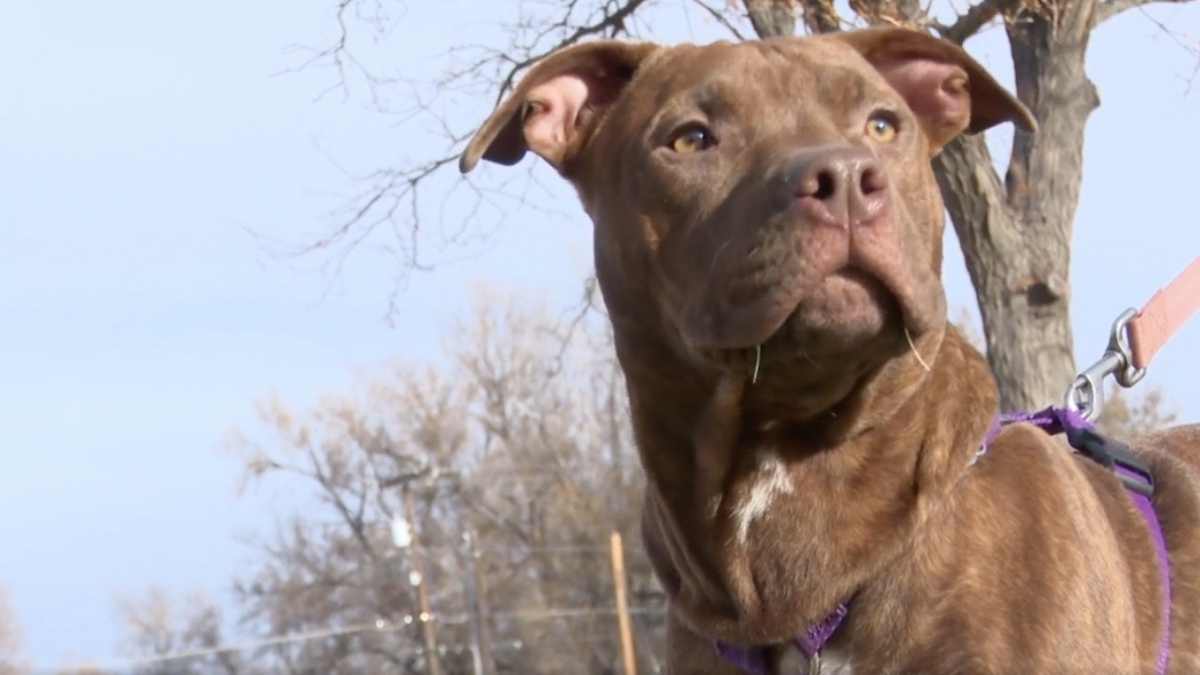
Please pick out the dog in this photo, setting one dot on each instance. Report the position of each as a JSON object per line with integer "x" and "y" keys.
{"x": 767, "y": 242}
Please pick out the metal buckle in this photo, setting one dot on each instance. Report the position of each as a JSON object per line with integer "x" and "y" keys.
{"x": 1086, "y": 394}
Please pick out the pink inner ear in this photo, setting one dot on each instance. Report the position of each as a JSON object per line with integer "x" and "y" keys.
{"x": 937, "y": 92}
{"x": 556, "y": 103}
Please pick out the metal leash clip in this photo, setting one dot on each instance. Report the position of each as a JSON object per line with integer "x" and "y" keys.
{"x": 1086, "y": 394}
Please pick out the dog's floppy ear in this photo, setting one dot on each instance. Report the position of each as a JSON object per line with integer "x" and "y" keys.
{"x": 947, "y": 89}
{"x": 557, "y": 104}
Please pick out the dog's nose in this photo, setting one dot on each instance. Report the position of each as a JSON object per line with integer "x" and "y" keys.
{"x": 846, "y": 187}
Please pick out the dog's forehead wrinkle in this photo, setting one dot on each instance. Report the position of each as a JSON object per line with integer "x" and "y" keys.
{"x": 846, "y": 87}
{"x": 730, "y": 69}
{"x": 825, "y": 71}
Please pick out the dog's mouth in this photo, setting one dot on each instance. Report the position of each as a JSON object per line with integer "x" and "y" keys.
{"x": 848, "y": 315}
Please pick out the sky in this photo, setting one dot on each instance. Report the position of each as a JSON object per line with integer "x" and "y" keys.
{"x": 141, "y": 141}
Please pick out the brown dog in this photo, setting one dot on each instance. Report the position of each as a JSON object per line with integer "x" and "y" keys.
{"x": 768, "y": 242}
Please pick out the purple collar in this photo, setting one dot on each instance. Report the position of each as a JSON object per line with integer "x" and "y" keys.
{"x": 1133, "y": 474}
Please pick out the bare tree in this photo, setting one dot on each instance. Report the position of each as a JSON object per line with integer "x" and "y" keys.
{"x": 521, "y": 440}
{"x": 180, "y": 637}
{"x": 11, "y": 639}
{"x": 1015, "y": 231}
{"x": 81, "y": 669}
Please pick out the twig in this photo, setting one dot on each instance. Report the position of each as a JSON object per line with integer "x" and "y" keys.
{"x": 720, "y": 18}
{"x": 1110, "y": 8}
{"x": 971, "y": 21}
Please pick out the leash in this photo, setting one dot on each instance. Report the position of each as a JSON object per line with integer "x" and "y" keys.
{"x": 1136, "y": 337}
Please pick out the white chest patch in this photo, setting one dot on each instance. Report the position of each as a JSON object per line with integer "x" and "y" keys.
{"x": 769, "y": 480}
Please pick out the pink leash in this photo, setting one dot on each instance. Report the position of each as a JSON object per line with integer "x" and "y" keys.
{"x": 1166, "y": 311}
{"x": 1136, "y": 337}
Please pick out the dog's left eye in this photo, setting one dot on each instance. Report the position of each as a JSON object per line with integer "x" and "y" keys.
{"x": 881, "y": 126}
{"x": 692, "y": 138}
{"x": 529, "y": 109}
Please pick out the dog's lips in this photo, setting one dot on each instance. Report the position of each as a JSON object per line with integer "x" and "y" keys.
{"x": 744, "y": 326}
{"x": 849, "y": 302}
{"x": 844, "y": 310}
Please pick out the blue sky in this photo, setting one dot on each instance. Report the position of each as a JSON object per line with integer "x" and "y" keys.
{"x": 138, "y": 319}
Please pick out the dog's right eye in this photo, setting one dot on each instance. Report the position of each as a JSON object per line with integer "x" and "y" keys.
{"x": 690, "y": 139}
{"x": 531, "y": 108}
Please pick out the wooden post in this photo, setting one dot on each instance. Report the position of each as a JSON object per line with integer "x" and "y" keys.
{"x": 481, "y": 634}
{"x": 426, "y": 617}
{"x": 629, "y": 665}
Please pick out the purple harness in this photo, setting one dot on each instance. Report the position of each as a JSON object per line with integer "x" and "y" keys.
{"x": 1131, "y": 471}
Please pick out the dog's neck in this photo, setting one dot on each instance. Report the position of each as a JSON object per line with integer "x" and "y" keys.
{"x": 758, "y": 533}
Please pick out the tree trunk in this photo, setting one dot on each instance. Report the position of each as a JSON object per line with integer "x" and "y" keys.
{"x": 771, "y": 18}
{"x": 1017, "y": 238}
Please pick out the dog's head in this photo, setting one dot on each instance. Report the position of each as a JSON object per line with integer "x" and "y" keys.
{"x": 764, "y": 207}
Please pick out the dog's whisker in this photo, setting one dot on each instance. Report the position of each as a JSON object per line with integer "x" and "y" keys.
{"x": 913, "y": 347}
{"x": 804, "y": 355}
{"x": 757, "y": 363}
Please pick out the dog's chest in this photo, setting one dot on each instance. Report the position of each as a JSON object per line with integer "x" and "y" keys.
{"x": 767, "y": 482}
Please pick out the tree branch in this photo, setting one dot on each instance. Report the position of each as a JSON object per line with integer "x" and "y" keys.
{"x": 720, "y": 18}
{"x": 1110, "y": 8}
{"x": 394, "y": 208}
{"x": 352, "y": 517}
{"x": 971, "y": 21}
{"x": 611, "y": 24}
{"x": 771, "y": 18}
{"x": 820, "y": 16}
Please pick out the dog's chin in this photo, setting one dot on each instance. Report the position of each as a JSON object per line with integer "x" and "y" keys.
{"x": 845, "y": 317}
{"x": 846, "y": 312}
{"x": 833, "y": 338}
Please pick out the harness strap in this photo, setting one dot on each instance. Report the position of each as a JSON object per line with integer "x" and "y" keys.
{"x": 1134, "y": 476}
{"x": 814, "y": 638}
{"x": 1164, "y": 570}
